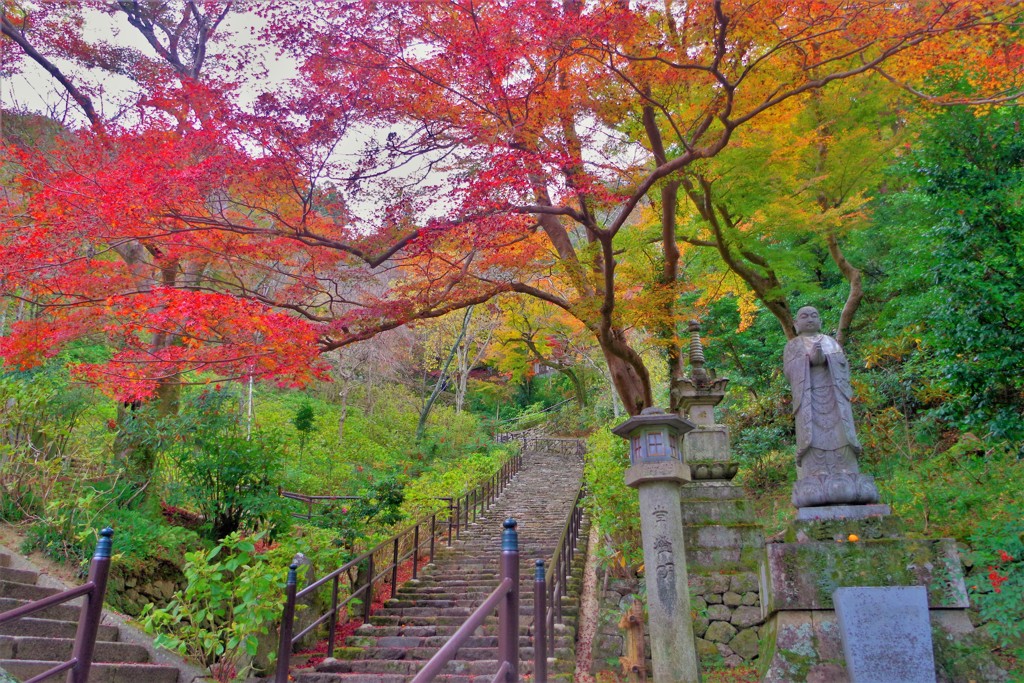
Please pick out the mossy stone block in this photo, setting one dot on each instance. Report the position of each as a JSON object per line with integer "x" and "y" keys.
{"x": 866, "y": 529}
{"x": 803, "y": 576}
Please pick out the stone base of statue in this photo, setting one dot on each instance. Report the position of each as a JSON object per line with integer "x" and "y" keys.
{"x": 801, "y": 639}
{"x": 838, "y": 488}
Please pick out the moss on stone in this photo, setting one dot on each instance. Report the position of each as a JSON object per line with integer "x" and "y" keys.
{"x": 868, "y": 528}
{"x": 805, "y": 575}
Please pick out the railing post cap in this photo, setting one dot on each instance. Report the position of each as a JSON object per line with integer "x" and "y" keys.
{"x": 539, "y": 574}
{"x": 509, "y": 537}
{"x": 293, "y": 570}
{"x": 105, "y": 545}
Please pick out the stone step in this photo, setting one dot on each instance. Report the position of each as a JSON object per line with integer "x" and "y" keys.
{"x": 466, "y": 654}
{"x": 63, "y": 612}
{"x": 51, "y": 628}
{"x": 448, "y": 615}
{"x": 320, "y": 677}
{"x": 99, "y": 673}
{"x": 18, "y": 575}
{"x": 408, "y": 667}
{"x": 25, "y": 591}
{"x": 59, "y": 649}
{"x": 438, "y": 641}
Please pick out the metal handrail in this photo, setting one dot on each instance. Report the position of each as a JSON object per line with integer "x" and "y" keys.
{"x": 287, "y": 640}
{"x": 506, "y": 599}
{"x": 93, "y": 590}
{"x": 482, "y": 496}
{"x": 309, "y": 500}
{"x": 557, "y": 576}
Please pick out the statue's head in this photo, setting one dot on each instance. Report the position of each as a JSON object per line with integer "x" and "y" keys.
{"x": 807, "y": 320}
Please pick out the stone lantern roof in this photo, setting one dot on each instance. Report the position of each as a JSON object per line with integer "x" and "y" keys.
{"x": 651, "y": 417}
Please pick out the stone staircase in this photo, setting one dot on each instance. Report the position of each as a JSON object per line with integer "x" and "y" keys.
{"x": 402, "y": 636}
{"x": 34, "y": 644}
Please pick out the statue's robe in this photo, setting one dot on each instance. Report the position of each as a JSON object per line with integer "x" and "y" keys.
{"x": 821, "y": 401}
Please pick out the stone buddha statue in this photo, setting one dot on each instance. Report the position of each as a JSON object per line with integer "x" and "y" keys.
{"x": 826, "y": 438}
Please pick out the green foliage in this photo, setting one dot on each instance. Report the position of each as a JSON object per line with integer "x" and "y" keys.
{"x": 46, "y": 424}
{"x": 942, "y": 495}
{"x": 231, "y": 479}
{"x": 67, "y": 531}
{"x": 378, "y": 508}
{"x": 303, "y": 422}
{"x": 232, "y": 598}
{"x": 966, "y": 176}
{"x": 573, "y": 420}
{"x": 614, "y": 507}
{"x": 424, "y": 493}
{"x": 998, "y": 545}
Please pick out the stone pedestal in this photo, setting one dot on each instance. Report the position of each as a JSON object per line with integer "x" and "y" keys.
{"x": 673, "y": 652}
{"x": 801, "y": 639}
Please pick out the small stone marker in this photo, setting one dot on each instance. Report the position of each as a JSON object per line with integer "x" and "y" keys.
{"x": 887, "y": 637}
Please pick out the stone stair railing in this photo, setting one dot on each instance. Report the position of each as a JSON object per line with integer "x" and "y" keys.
{"x": 41, "y": 636}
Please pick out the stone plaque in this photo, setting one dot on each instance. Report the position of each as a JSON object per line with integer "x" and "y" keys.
{"x": 887, "y": 637}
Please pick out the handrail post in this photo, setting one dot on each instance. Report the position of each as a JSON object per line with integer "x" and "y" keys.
{"x": 540, "y": 610}
{"x": 284, "y": 646}
{"x": 92, "y": 609}
{"x": 394, "y": 568}
{"x": 451, "y": 509}
{"x": 433, "y": 535}
{"x": 332, "y": 621}
{"x": 368, "y": 595}
{"x": 458, "y": 516}
{"x": 508, "y": 615}
{"x": 416, "y": 549}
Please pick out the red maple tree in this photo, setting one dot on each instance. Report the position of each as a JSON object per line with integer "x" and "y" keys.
{"x": 428, "y": 156}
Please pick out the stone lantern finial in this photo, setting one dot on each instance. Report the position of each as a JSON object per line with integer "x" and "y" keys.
{"x": 697, "y": 372}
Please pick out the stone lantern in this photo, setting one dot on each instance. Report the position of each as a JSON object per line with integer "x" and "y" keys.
{"x": 655, "y": 439}
{"x": 657, "y": 471}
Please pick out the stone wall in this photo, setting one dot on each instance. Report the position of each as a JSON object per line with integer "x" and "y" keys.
{"x": 727, "y": 621}
{"x": 131, "y": 589}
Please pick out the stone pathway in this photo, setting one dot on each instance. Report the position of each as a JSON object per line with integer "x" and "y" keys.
{"x": 403, "y": 635}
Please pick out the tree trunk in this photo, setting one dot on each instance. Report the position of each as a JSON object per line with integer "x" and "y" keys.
{"x": 131, "y": 450}
{"x": 853, "y": 299}
{"x": 629, "y": 376}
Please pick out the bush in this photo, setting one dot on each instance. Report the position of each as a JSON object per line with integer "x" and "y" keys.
{"x": 999, "y": 552}
{"x": 423, "y": 495}
{"x": 231, "y": 478}
{"x": 68, "y": 530}
{"x": 943, "y": 494}
{"x": 232, "y": 598}
{"x": 614, "y": 507}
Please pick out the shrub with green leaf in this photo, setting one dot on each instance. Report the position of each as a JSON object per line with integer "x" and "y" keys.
{"x": 229, "y": 476}
{"x": 997, "y": 587}
{"x": 614, "y": 507}
{"x": 232, "y": 598}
